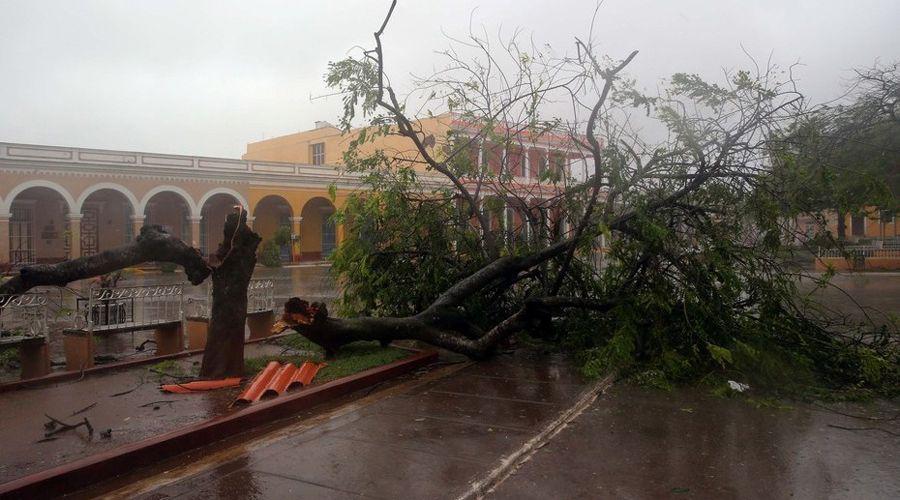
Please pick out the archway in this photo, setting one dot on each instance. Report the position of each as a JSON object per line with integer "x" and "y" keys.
{"x": 171, "y": 211}
{"x": 271, "y": 214}
{"x": 38, "y": 226}
{"x": 105, "y": 220}
{"x": 213, "y": 212}
{"x": 318, "y": 234}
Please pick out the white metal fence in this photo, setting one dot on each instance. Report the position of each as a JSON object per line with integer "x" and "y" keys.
{"x": 130, "y": 308}
{"x": 23, "y": 317}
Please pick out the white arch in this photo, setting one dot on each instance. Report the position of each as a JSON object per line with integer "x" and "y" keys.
{"x": 112, "y": 186}
{"x": 11, "y": 197}
{"x": 231, "y": 192}
{"x": 172, "y": 189}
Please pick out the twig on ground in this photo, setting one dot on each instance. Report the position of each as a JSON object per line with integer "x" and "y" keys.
{"x": 176, "y": 377}
{"x": 142, "y": 382}
{"x": 151, "y": 403}
{"x": 63, "y": 427}
{"x": 86, "y": 408}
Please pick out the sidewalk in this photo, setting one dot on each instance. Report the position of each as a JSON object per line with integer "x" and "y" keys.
{"x": 435, "y": 435}
{"x": 429, "y": 441}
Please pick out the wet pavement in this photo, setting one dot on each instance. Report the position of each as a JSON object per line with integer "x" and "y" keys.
{"x": 143, "y": 412}
{"x": 863, "y": 296}
{"x": 642, "y": 443}
{"x": 428, "y": 441}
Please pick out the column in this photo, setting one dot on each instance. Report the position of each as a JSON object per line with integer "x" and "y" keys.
{"x": 295, "y": 240}
{"x": 137, "y": 222}
{"x": 195, "y": 230}
{"x": 526, "y": 162}
{"x": 339, "y": 234}
{"x": 4, "y": 238}
{"x": 250, "y": 220}
{"x": 74, "y": 235}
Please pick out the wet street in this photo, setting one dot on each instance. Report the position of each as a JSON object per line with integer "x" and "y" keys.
{"x": 644, "y": 443}
{"x": 435, "y": 438}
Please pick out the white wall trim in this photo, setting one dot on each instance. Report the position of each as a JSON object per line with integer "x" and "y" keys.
{"x": 11, "y": 196}
{"x": 111, "y": 186}
{"x": 192, "y": 207}
{"x": 222, "y": 190}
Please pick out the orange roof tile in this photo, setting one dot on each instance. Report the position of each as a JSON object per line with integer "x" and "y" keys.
{"x": 276, "y": 379}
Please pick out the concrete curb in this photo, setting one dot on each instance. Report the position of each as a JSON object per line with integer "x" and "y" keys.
{"x": 69, "y": 375}
{"x": 70, "y": 477}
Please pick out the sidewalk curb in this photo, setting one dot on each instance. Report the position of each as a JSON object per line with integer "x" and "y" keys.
{"x": 69, "y": 375}
{"x": 75, "y": 475}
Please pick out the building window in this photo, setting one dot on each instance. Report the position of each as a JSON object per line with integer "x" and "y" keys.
{"x": 317, "y": 152}
{"x": 887, "y": 216}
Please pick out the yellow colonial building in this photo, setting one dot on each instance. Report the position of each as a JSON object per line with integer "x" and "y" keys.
{"x": 61, "y": 202}
{"x": 58, "y": 203}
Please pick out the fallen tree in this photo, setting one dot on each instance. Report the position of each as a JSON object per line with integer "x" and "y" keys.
{"x": 691, "y": 280}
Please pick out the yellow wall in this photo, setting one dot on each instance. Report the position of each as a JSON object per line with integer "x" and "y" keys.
{"x": 873, "y": 226}
{"x": 295, "y": 148}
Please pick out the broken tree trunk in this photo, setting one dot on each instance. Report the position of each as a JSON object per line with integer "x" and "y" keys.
{"x": 441, "y": 327}
{"x": 224, "y": 354}
{"x": 153, "y": 244}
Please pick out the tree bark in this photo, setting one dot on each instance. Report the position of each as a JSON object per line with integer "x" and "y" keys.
{"x": 446, "y": 329}
{"x": 153, "y": 244}
{"x": 224, "y": 354}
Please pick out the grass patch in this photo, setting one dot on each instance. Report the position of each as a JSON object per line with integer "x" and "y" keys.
{"x": 350, "y": 359}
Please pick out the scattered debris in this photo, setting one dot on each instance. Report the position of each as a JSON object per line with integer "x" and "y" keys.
{"x": 201, "y": 385}
{"x": 107, "y": 434}
{"x": 142, "y": 382}
{"x": 156, "y": 403}
{"x": 276, "y": 379}
{"x": 142, "y": 345}
{"x": 738, "y": 386}
{"x": 126, "y": 392}
{"x": 56, "y": 426}
{"x": 86, "y": 408}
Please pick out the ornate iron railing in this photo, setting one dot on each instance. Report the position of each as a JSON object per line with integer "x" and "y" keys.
{"x": 23, "y": 317}
{"x": 130, "y": 308}
{"x": 260, "y": 298}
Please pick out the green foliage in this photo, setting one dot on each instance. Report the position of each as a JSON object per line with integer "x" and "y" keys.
{"x": 270, "y": 254}
{"x": 695, "y": 267}
{"x": 350, "y": 359}
{"x": 270, "y": 250}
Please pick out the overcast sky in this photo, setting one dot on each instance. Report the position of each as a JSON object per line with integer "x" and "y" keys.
{"x": 206, "y": 77}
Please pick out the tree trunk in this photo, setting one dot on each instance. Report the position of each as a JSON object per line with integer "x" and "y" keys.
{"x": 224, "y": 353}
{"x": 841, "y": 225}
{"x": 153, "y": 244}
{"x": 443, "y": 328}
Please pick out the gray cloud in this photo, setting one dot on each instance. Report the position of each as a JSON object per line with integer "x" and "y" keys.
{"x": 205, "y": 77}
